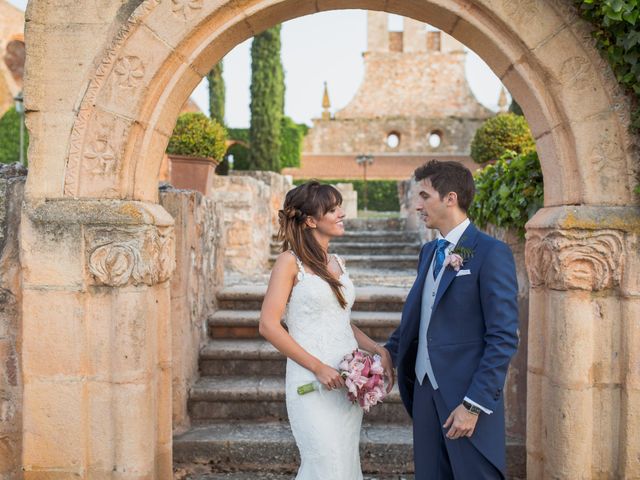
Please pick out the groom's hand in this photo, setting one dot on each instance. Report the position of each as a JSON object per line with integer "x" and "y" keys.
{"x": 387, "y": 364}
{"x": 462, "y": 423}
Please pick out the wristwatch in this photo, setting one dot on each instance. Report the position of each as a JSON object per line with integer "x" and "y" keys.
{"x": 471, "y": 408}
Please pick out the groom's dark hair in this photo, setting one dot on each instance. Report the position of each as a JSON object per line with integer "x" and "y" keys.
{"x": 449, "y": 177}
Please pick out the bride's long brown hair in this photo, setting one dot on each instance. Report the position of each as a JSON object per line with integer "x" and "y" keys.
{"x": 311, "y": 199}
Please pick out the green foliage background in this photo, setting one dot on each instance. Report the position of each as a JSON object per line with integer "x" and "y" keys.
{"x": 382, "y": 194}
{"x": 10, "y": 137}
{"x": 267, "y": 101}
{"x": 198, "y": 135}
{"x": 508, "y": 192}
{"x": 217, "y": 93}
{"x": 506, "y": 132}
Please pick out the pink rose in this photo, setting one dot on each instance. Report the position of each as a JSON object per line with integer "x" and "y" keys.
{"x": 454, "y": 260}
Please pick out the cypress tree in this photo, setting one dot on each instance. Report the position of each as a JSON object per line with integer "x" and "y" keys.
{"x": 216, "y": 93}
{"x": 267, "y": 101}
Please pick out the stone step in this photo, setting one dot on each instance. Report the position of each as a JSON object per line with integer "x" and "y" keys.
{"x": 269, "y": 446}
{"x": 376, "y": 248}
{"x": 364, "y": 247}
{"x": 369, "y": 298}
{"x": 387, "y": 262}
{"x": 244, "y": 323}
{"x": 275, "y": 476}
{"x": 263, "y": 398}
{"x": 393, "y": 224}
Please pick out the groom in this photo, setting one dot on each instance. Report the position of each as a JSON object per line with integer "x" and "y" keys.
{"x": 457, "y": 335}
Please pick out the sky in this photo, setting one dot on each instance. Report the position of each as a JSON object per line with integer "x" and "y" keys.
{"x": 322, "y": 47}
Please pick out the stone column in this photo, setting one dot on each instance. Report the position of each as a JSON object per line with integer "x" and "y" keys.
{"x": 583, "y": 384}
{"x": 96, "y": 339}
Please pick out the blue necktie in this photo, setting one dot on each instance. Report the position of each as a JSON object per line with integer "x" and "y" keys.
{"x": 440, "y": 250}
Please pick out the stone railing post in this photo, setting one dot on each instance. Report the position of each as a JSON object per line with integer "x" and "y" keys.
{"x": 96, "y": 339}
{"x": 583, "y": 384}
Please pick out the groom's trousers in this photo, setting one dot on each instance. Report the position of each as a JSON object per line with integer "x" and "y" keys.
{"x": 437, "y": 457}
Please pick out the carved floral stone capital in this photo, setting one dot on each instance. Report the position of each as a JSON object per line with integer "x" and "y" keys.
{"x": 575, "y": 259}
{"x": 117, "y": 257}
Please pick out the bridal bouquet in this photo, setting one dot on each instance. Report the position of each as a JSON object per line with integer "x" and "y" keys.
{"x": 364, "y": 378}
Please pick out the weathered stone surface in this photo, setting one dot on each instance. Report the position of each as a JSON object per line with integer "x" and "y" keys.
{"x": 12, "y": 182}
{"x": 247, "y": 214}
{"x": 199, "y": 274}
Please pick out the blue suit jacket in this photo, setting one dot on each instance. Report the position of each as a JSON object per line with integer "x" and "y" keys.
{"x": 471, "y": 338}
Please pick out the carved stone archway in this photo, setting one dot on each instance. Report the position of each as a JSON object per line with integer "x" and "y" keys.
{"x": 103, "y": 89}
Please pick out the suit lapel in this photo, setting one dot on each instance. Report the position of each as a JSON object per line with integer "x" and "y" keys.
{"x": 468, "y": 240}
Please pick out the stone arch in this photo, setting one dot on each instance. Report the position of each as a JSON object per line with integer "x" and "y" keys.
{"x": 539, "y": 49}
{"x": 114, "y": 113}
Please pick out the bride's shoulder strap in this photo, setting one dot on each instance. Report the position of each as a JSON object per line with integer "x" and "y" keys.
{"x": 298, "y": 261}
{"x": 340, "y": 262}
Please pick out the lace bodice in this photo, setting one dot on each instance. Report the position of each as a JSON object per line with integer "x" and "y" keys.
{"x": 315, "y": 318}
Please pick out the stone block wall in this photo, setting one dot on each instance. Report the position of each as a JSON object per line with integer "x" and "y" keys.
{"x": 199, "y": 272}
{"x": 278, "y": 185}
{"x": 12, "y": 181}
{"x": 250, "y": 202}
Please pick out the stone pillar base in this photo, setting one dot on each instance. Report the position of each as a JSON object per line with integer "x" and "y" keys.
{"x": 584, "y": 363}
{"x": 96, "y": 339}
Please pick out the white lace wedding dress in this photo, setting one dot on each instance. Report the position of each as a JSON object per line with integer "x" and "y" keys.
{"x": 325, "y": 424}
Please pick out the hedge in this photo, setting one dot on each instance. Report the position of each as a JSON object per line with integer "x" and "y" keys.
{"x": 382, "y": 194}
{"x": 509, "y": 192}
{"x": 198, "y": 135}
{"x": 10, "y": 137}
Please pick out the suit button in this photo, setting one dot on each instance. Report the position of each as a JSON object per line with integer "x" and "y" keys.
{"x": 430, "y": 339}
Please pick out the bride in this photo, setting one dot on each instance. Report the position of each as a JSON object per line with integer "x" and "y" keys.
{"x": 313, "y": 290}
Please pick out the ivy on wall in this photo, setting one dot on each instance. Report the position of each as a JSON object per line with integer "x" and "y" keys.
{"x": 617, "y": 32}
{"x": 509, "y": 192}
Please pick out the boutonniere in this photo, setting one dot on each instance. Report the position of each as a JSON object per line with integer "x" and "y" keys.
{"x": 458, "y": 256}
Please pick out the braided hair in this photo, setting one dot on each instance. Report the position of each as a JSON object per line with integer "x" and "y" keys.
{"x": 311, "y": 199}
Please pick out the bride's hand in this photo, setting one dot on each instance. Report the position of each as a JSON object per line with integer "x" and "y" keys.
{"x": 387, "y": 364}
{"x": 329, "y": 377}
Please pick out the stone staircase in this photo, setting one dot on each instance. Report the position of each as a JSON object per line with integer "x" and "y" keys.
{"x": 237, "y": 407}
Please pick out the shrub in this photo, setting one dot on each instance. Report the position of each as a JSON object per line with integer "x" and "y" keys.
{"x": 508, "y": 192}
{"x": 499, "y": 134}
{"x": 197, "y": 135}
{"x": 382, "y": 194}
{"x": 10, "y": 137}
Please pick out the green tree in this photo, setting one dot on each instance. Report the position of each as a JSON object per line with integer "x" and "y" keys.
{"x": 10, "y": 137}
{"x": 267, "y": 101}
{"x": 216, "y": 93}
{"x": 502, "y": 133}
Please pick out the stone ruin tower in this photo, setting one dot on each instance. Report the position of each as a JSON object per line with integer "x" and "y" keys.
{"x": 414, "y": 104}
